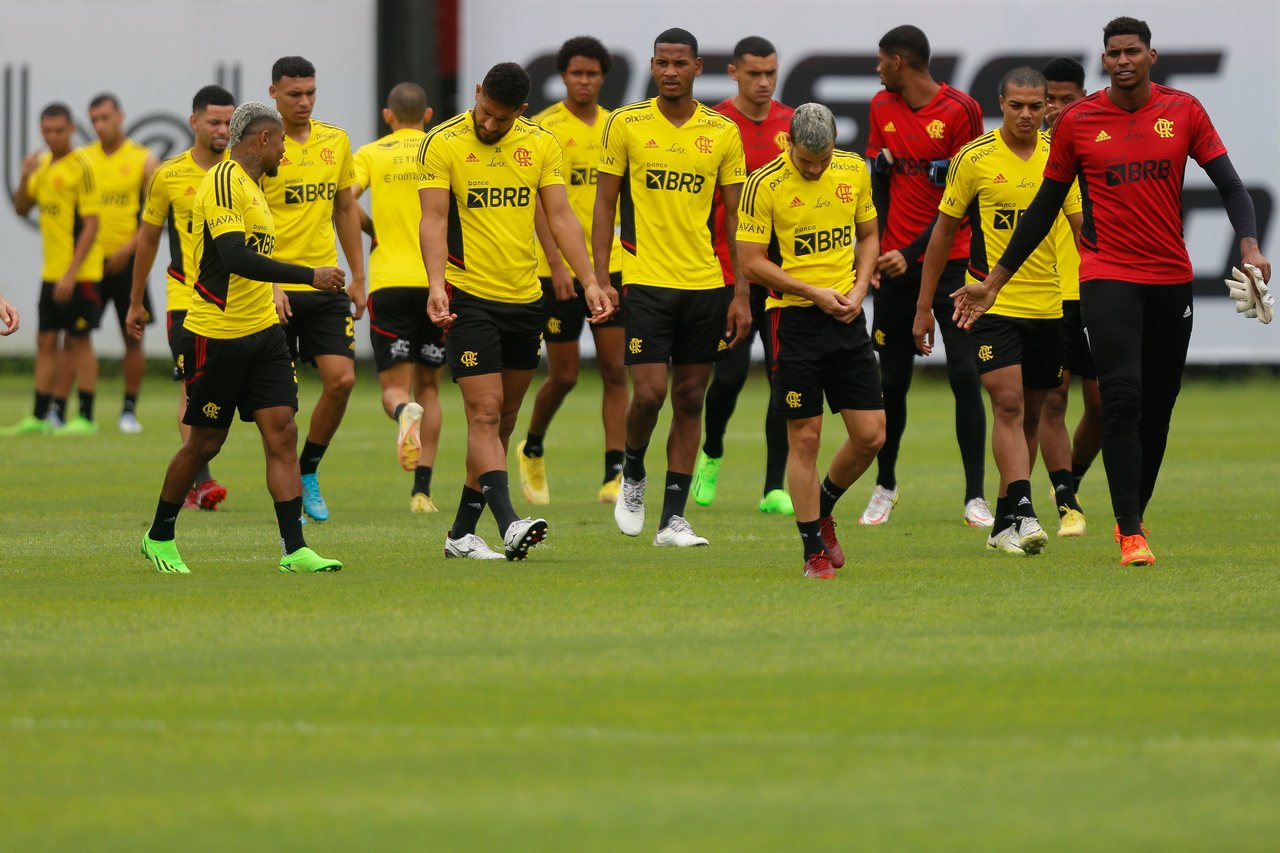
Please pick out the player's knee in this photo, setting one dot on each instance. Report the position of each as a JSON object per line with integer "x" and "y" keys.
{"x": 648, "y": 398}
{"x": 869, "y": 437}
{"x": 613, "y": 374}
{"x": 1055, "y": 406}
{"x": 1122, "y": 405}
{"x": 484, "y": 414}
{"x": 1006, "y": 405}
{"x": 686, "y": 399}
{"x": 563, "y": 378}
{"x": 340, "y": 384}
{"x": 804, "y": 438}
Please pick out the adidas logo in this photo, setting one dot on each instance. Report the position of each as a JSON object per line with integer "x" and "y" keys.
{"x": 1102, "y": 136}
{"x": 190, "y": 191}
{"x": 572, "y": 142}
{"x": 889, "y": 128}
{"x": 472, "y": 158}
{"x": 651, "y": 144}
{"x": 796, "y": 202}
{"x": 484, "y": 490}
{"x": 674, "y": 487}
{"x": 1187, "y": 313}
{"x": 1026, "y": 501}
{"x": 476, "y": 506}
{"x": 1000, "y": 179}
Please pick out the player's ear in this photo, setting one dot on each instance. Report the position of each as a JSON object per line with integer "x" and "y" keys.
{"x": 426, "y": 116}
{"x": 697, "y": 66}
{"x": 387, "y": 116}
{"x": 1154, "y": 56}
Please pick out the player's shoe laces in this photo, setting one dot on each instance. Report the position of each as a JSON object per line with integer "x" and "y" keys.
{"x": 1116, "y": 533}
{"x": 835, "y": 553}
{"x": 164, "y": 556}
{"x": 977, "y": 513}
{"x": 30, "y": 425}
{"x": 79, "y": 425}
{"x": 209, "y": 494}
{"x": 820, "y": 566}
{"x": 1134, "y": 551}
{"x": 678, "y": 534}
{"x": 533, "y": 477}
{"x": 628, "y": 512}
{"x": 1071, "y": 523}
{"x": 312, "y": 501}
{"x": 777, "y": 502}
{"x": 1031, "y": 536}
{"x": 128, "y": 423}
{"x": 522, "y": 535}
{"x": 881, "y": 505}
{"x": 469, "y": 547}
{"x": 609, "y": 492}
{"x": 1006, "y": 541}
{"x": 408, "y": 442}
{"x": 421, "y": 502}
{"x": 306, "y": 560}
{"x": 706, "y": 471}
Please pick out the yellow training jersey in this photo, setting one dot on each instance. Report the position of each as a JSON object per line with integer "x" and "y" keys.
{"x": 66, "y": 192}
{"x": 580, "y": 144}
{"x": 388, "y": 168}
{"x": 808, "y": 225}
{"x": 301, "y": 195}
{"x": 1064, "y": 242}
{"x": 224, "y": 305}
{"x": 994, "y": 186}
{"x": 170, "y": 200}
{"x": 669, "y": 181}
{"x": 491, "y": 203}
{"x": 119, "y": 176}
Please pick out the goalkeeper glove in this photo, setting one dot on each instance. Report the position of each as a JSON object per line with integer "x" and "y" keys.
{"x": 1250, "y": 293}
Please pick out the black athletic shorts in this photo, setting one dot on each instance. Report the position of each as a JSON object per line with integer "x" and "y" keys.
{"x": 224, "y": 375}
{"x": 489, "y": 336}
{"x": 1036, "y": 345}
{"x": 321, "y": 324}
{"x": 566, "y": 318}
{"x": 116, "y": 288}
{"x": 816, "y": 355}
{"x": 669, "y": 324}
{"x": 78, "y": 316}
{"x": 400, "y": 331}
{"x": 180, "y": 340}
{"x": 1076, "y": 357}
{"x": 894, "y": 305}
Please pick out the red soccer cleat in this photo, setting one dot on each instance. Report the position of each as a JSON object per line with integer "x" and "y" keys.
{"x": 209, "y": 494}
{"x": 819, "y": 566}
{"x": 827, "y": 525}
{"x": 192, "y": 502}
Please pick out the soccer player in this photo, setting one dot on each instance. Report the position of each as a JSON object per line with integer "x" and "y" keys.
{"x": 763, "y": 124}
{"x": 917, "y": 125}
{"x": 238, "y": 357}
{"x": 309, "y": 202}
{"x": 169, "y": 205}
{"x": 1129, "y": 144}
{"x": 122, "y": 170}
{"x": 61, "y": 182}
{"x": 408, "y": 348}
{"x": 577, "y": 123}
{"x": 1076, "y": 453}
{"x": 665, "y": 157}
{"x": 813, "y": 205}
{"x": 481, "y": 172}
{"x": 1018, "y": 343}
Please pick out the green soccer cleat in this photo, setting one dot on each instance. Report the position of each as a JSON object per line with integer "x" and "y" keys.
{"x": 705, "y": 473}
{"x": 30, "y": 425}
{"x": 79, "y": 425}
{"x": 777, "y": 502}
{"x": 164, "y": 556}
{"x": 306, "y": 560}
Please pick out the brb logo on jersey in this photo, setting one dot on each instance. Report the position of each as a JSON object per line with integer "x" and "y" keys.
{"x": 668, "y": 179}
{"x": 499, "y": 197}
{"x": 816, "y": 242}
{"x": 1005, "y": 220}
{"x": 1137, "y": 170}
{"x": 305, "y": 193}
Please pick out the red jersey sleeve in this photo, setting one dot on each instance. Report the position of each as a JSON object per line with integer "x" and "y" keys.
{"x": 968, "y": 125}
{"x": 875, "y": 140}
{"x": 1062, "y": 150}
{"x": 1206, "y": 144}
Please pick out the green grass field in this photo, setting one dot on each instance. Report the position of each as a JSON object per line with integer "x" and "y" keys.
{"x": 607, "y": 695}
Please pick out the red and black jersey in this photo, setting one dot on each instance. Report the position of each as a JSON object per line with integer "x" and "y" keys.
{"x": 1131, "y": 167}
{"x": 915, "y": 138}
{"x": 761, "y": 142}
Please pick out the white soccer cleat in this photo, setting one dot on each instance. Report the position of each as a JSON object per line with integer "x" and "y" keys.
{"x": 1031, "y": 536}
{"x": 470, "y": 547}
{"x": 881, "y": 505}
{"x": 678, "y": 534}
{"x": 978, "y": 514}
{"x": 128, "y": 423}
{"x": 628, "y": 511}
{"x": 522, "y": 535}
{"x": 1006, "y": 541}
{"x": 408, "y": 441}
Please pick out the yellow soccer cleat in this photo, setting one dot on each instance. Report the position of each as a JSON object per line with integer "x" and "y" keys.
{"x": 533, "y": 478}
{"x": 408, "y": 442}
{"x": 1071, "y": 523}
{"x": 608, "y": 493}
{"x": 421, "y": 502}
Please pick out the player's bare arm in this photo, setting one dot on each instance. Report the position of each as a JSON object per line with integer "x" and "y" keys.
{"x": 22, "y": 200}
{"x": 935, "y": 258}
{"x": 147, "y": 244}
{"x": 568, "y": 235}
{"x": 866, "y": 249}
{"x": 346, "y": 221}
{"x": 760, "y": 269}
{"x": 433, "y": 239}
{"x": 602, "y": 217}
{"x": 66, "y": 284}
{"x": 561, "y": 275}
{"x": 738, "y": 319}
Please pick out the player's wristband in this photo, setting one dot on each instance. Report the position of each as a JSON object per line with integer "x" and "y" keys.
{"x": 883, "y": 163}
{"x": 937, "y": 172}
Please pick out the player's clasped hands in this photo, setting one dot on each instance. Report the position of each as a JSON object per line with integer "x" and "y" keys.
{"x": 839, "y": 306}
{"x": 602, "y": 304}
{"x": 330, "y": 279}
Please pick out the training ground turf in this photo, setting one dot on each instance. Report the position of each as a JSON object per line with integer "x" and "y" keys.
{"x": 608, "y": 695}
